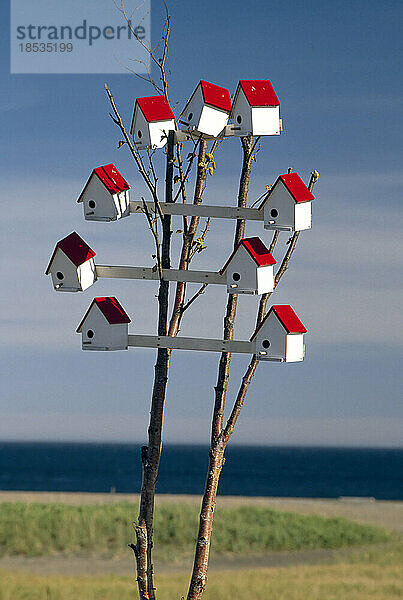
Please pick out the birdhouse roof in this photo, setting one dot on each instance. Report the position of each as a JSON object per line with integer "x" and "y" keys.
{"x": 110, "y": 308}
{"x": 257, "y": 251}
{"x": 295, "y": 186}
{"x": 155, "y": 108}
{"x": 258, "y": 92}
{"x": 110, "y": 177}
{"x": 216, "y": 96}
{"x": 287, "y": 317}
{"x": 74, "y": 248}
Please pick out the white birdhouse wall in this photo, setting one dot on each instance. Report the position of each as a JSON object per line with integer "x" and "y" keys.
{"x": 271, "y": 340}
{"x": 98, "y": 202}
{"x": 266, "y": 120}
{"x": 303, "y": 216}
{"x": 159, "y": 132}
{"x": 140, "y": 130}
{"x": 241, "y": 273}
{"x": 242, "y": 114}
{"x": 279, "y": 210}
{"x": 122, "y": 204}
{"x": 265, "y": 279}
{"x": 295, "y": 348}
{"x": 212, "y": 121}
{"x": 64, "y": 273}
{"x": 193, "y": 110}
{"x": 87, "y": 274}
{"x": 98, "y": 334}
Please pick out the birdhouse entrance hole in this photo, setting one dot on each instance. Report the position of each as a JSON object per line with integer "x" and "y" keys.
{"x": 239, "y": 119}
{"x": 190, "y": 117}
{"x": 274, "y": 212}
{"x": 90, "y": 333}
{"x": 236, "y": 276}
{"x": 92, "y": 204}
{"x": 60, "y": 275}
{"x": 266, "y": 344}
{"x": 139, "y": 134}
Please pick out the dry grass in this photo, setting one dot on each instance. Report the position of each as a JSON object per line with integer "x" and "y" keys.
{"x": 374, "y": 576}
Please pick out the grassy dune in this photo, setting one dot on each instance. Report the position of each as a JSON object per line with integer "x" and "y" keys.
{"x": 45, "y": 529}
{"x": 375, "y": 575}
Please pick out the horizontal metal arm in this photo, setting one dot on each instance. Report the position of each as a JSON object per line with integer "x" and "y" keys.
{"x": 187, "y": 343}
{"x": 116, "y": 272}
{"x": 230, "y": 130}
{"x": 198, "y": 210}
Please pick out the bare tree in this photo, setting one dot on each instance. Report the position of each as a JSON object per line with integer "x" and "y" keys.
{"x": 177, "y": 173}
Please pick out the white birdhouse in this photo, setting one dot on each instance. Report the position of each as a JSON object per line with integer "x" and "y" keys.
{"x": 256, "y": 108}
{"x": 105, "y": 196}
{"x": 208, "y": 109}
{"x": 152, "y": 120}
{"x": 287, "y": 206}
{"x": 72, "y": 265}
{"x": 249, "y": 269}
{"x": 104, "y": 326}
{"x": 280, "y": 336}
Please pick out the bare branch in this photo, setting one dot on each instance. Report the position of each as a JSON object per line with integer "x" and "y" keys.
{"x": 247, "y": 378}
{"x": 134, "y": 153}
{"x": 198, "y": 245}
{"x": 193, "y": 298}
{"x": 274, "y": 241}
{"x": 183, "y": 178}
{"x": 187, "y": 241}
{"x": 154, "y": 231}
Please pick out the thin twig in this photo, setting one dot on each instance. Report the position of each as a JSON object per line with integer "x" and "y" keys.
{"x": 193, "y": 298}
{"x": 134, "y": 153}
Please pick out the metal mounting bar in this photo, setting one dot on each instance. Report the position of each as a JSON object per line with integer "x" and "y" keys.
{"x": 230, "y": 130}
{"x": 116, "y": 272}
{"x": 188, "y": 343}
{"x": 198, "y": 210}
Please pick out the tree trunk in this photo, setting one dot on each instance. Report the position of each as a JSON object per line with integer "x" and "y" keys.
{"x": 216, "y": 453}
{"x": 151, "y": 454}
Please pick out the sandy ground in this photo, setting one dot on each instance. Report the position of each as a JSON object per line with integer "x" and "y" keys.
{"x": 365, "y": 510}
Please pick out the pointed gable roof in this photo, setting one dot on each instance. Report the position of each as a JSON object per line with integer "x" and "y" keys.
{"x": 154, "y": 108}
{"x": 295, "y": 186}
{"x": 287, "y": 317}
{"x": 74, "y": 248}
{"x": 110, "y": 308}
{"x": 257, "y": 251}
{"x": 216, "y": 96}
{"x": 259, "y": 92}
{"x": 110, "y": 177}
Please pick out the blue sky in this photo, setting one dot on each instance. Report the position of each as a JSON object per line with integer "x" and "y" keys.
{"x": 336, "y": 69}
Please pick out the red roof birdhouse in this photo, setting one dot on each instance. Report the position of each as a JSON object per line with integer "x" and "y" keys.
{"x": 280, "y": 336}
{"x": 105, "y": 196}
{"x": 152, "y": 120}
{"x": 288, "y": 206}
{"x": 207, "y": 110}
{"x": 256, "y": 108}
{"x": 72, "y": 265}
{"x": 104, "y": 325}
{"x": 249, "y": 269}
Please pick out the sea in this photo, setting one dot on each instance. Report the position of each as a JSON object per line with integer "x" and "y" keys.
{"x": 248, "y": 471}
